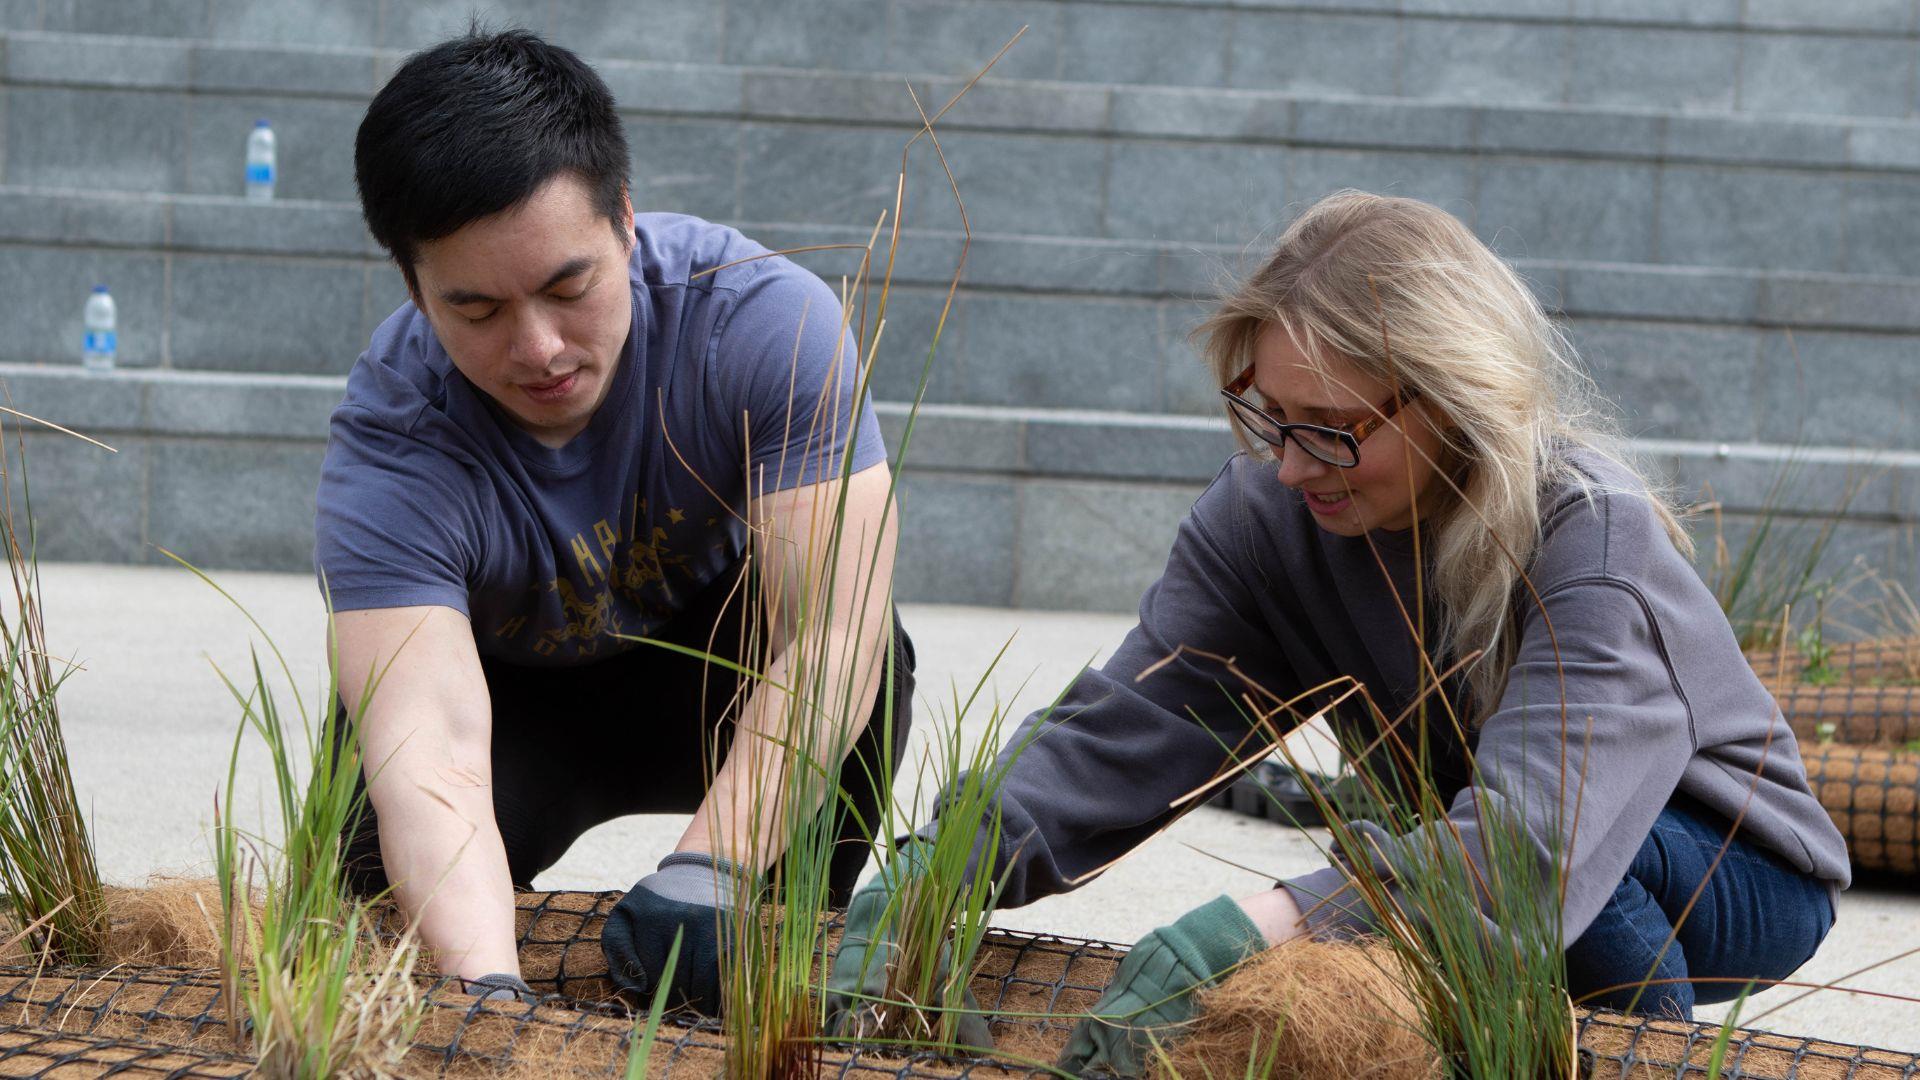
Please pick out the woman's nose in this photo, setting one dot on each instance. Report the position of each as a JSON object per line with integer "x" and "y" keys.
{"x": 1297, "y": 466}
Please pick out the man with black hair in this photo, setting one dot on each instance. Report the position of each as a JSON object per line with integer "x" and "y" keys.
{"x": 554, "y": 448}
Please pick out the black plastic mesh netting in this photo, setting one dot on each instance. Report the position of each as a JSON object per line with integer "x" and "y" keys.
{"x": 25, "y": 1052}
{"x": 129, "y": 1015}
{"x": 172, "y": 1022}
{"x": 1619, "y": 1047}
{"x": 559, "y": 938}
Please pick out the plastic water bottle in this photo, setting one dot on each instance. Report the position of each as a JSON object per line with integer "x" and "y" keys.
{"x": 261, "y": 171}
{"x": 96, "y": 354}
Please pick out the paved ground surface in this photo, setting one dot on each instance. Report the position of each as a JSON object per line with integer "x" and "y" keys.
{"x": 151, "y": 726}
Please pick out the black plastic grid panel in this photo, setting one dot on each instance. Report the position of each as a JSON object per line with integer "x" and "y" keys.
{"x": 1085, "y": 968}
{"x": 27, "y": 1052}
{"x": 1614, "y": 1046}
{"x": 559, "y": 942}
{"x": 156, "y": 1013}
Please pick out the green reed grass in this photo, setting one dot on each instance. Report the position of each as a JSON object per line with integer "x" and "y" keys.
{"x": 937, "y": 917}
{"x": 1778, "y": 564}
{"x": 47, "y": 864}
{"x": 1717, "y": 1061}
{"x": 323, "y": 995}
{"x": 1481, "y": 944}
{"x": 794, "y": 592}
{"x": 640, "y": 1044}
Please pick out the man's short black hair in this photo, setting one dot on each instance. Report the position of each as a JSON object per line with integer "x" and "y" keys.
{"x": 475, "y": 125}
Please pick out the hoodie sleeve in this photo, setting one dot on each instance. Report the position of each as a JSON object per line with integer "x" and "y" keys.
{"x": 1584, "y": 750}
{"x": 1093, "y": 777}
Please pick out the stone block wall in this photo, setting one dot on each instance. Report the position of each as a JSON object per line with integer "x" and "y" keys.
{"x": 1720, "y": 199}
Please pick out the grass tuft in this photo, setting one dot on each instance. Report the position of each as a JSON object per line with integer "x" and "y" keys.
{"x": 323, "y": 995}
{"x": 47, "y": 865}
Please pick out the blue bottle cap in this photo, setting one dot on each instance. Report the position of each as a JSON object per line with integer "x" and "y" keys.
{"x": 261, "y": 124}
{"x": 99, "y": 288}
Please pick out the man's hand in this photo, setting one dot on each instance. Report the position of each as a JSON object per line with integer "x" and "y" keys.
{"x": 1152, "y": 993}
{"x": 868, "y": 950}
{"x": 692, "y": 894}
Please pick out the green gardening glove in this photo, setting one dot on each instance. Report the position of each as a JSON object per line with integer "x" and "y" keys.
{"x": 859, "y": 973}
{"x": 1153, "y": 990}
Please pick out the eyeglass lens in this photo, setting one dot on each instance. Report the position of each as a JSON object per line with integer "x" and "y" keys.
{"x": 1319, "y": 442}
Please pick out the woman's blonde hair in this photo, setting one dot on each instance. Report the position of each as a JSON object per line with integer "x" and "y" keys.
{"x": 1407, "y": 295}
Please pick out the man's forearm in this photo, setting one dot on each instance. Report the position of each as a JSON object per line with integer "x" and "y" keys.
{"x": 745, "y": 813}
{"x": 444, "y": 857}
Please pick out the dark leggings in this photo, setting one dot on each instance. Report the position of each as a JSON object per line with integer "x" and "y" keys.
{"x": 575, "y": 747}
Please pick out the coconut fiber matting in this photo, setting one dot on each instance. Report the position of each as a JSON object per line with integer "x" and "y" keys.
{"x": 1883, "y": 660}
{"x": 559, "y": 940}
{"x": 26, "y": 1052}
{"x": 1040, "y": 983}
{"x": 1869, "y": 691}
{"x": 171, "y": 1023}
{"x": 1860, "y": 714}
{"x": 1618, "y": 1047}
{"x": 1873, "y": 795}
{"x": 134, "y": 1013}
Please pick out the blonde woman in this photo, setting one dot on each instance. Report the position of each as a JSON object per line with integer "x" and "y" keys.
{"x": 1395, "y": 385}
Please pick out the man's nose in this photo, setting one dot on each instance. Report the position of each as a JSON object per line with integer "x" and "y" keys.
{"x": 536, "y": 340}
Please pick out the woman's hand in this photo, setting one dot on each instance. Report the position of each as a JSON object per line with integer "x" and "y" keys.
{"x": 1151, "y": 996}
{"x": 1277, "y": 916}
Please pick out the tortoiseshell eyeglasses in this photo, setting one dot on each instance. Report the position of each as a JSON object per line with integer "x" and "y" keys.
{"x": 1338, "y": 446}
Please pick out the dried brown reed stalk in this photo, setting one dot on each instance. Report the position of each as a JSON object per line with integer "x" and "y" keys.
{"x": 1306, "y": 1010}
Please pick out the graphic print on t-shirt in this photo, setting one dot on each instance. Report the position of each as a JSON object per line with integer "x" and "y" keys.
{"x": 613, "y": 573}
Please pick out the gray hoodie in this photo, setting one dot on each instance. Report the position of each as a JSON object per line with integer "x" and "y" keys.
{"x": 1657, "y": 697}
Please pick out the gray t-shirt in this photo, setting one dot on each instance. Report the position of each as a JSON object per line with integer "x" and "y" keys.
{"x": 1658, "y": 698}
{"x": 430, "y": 495}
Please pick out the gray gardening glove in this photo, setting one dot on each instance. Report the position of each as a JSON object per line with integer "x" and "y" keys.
{"x": 859, "y": 973}
{"x": 692, "y": 893}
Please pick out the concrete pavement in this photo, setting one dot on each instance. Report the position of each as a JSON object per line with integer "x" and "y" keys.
{"x": 150, "y": 726}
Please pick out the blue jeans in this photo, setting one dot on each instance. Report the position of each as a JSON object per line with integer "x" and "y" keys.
{"x": 1759, "y": 917}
